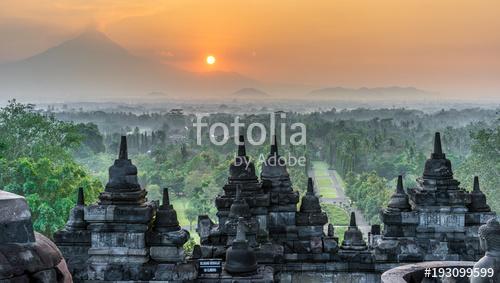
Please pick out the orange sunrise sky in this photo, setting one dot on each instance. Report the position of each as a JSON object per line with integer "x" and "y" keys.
{"x": 443, "y": 45}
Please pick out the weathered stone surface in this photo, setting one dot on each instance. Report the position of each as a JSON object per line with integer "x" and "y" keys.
{"x": 184, "y": 272}
{"x": 310, "y": 202}
{"x": 24, "y": 255}
{"x": 279, "y": 221}
{"x": 27, "y": 260}
{"x": 174, "y": 238}
{"x": 166, "y": 216}
{"x": 330, "y": 245}
{"x": 353, "y": 238}
{"x": 119, "y": 224}
{"x": 264, "y": 274}
{"x": 120, "y": 272}
{"x": 310, "y": 219}
{"x": 399, "y": 200}
{"x": 167, "y": 253}
{"x": 478, "y": 199}
{"x": 309, "y": 231}
{"x": 117, "y": 213}
{"x": 240, "y": 257}
{"x": 15, "y": 219}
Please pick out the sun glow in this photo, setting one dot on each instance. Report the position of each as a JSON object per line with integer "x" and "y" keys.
{"x": 210, "y": 60}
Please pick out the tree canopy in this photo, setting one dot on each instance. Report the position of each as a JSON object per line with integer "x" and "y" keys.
{"x": 36, "y": 162}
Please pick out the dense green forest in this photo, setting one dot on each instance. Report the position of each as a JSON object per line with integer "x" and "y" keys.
{"x": 46, "y": 156}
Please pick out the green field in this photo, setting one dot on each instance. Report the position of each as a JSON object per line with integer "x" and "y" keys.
{"x": 323, "y": 181}
{"x": 336, "y": 215}
{"x": 327, "y": 192}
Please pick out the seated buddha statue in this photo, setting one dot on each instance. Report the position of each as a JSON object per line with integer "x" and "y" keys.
{"x": 489, "y": 239}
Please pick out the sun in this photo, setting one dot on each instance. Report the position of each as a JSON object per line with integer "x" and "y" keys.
{"x": 210, "y": 60}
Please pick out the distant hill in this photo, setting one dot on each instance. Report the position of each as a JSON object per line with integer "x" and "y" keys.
{"x": 374, "y": 93}
{"x": 93, "y": 66}
{"x": 250, "y": 92}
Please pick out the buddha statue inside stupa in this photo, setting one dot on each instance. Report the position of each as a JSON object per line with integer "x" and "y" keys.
{"x": 489, "y": 239}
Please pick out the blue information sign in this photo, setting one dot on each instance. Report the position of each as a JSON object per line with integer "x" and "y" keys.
{"x": 210, "y": 266}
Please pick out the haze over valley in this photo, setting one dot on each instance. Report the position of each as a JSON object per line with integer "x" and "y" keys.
{"x": 91, "y": 67}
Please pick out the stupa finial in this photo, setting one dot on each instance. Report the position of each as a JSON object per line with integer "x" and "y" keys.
{"x": 476, "y": 184}
{"x": 241, "y": 146}
{"x": 123, "y": 148}
{"x": 274, "y": 146}
{"x": 438, "y": 150}
{"x": 352, "y": 223}
{"x": 399, "y": 187}
{"x": 166, "y": 198}
{"x": 80, "y": 200}
{"x": 310, "y": 186}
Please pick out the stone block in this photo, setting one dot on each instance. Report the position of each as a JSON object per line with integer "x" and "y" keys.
{"x": 279, "y": 221}
{"x": 321, "y": 257}
{"x": 304, "y": 257}
{"x": 274, "y": 198}
{"x": 309, "y": 231}
{"x": 185, "y": 272}
{"x": 167, "y": 254}
{"x": 330, "y": 245}
{"x": 206, "y": 251}
{"x": 119, "y": 240}
{"x": 311, "y": 219}
{"x": 219, "y": 251}
{"x": 129, "y": 272}
{"x": 316, "y": 245}
{"x": 301, "y": 246}
{"x": 74, "y": 255}
{"x": 283, "y": 208}
{"x": 288, "y": 198}
{"x": 72, "y": 237}
{"x": 269, "y": 253}
{"x": 172, "y": 238}
{"x": 291, "y": 257}
{"x": 44, "y": 276}
{"x": 409, "y": 217}
{"x": 15, "y": 219}
{"x": 442, "y": 221}
{"x": 391, "y": 218}
{"x": 117, "y": 213}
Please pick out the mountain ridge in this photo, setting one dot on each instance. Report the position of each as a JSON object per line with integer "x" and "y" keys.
{"x": 250, "y": 92}
{"x": 91, "y": 65}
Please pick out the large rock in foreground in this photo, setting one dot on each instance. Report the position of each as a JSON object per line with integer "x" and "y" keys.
{"x": 26, "y": 256}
